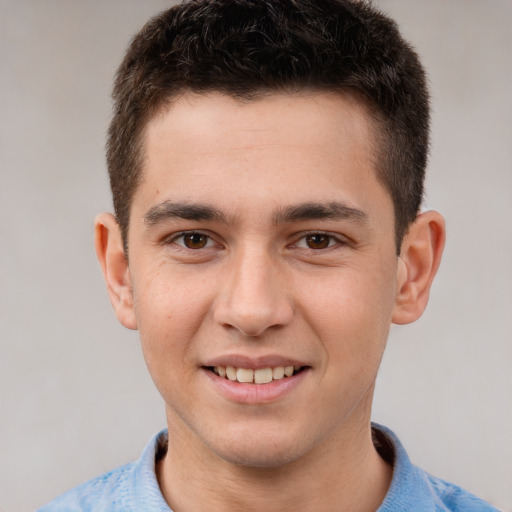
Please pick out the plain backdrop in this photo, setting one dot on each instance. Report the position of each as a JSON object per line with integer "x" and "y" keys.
{"x": 75, "y": 396}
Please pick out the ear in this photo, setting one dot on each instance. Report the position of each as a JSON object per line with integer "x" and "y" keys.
{"x": 110, "y": 253}
{"x": 419, "y": 260}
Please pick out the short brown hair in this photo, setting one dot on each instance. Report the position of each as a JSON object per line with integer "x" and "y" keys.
{"x": 247, "y": 47}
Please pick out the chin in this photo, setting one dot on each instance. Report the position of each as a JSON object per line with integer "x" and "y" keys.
{"x": 259, "y": 458}
{"x": 258, "y": 451}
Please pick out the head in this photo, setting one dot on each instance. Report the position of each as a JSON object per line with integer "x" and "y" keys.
{"x": 266, "y": 161}
{"x": 248, "y": 49}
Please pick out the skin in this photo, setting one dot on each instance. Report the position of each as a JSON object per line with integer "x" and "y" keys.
{"x": 266, "y": 278}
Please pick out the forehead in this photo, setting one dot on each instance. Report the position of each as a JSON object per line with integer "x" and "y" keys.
{"x": 286, "y": 148}
{"x": 302, "y": 116}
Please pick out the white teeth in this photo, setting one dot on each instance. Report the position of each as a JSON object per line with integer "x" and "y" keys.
{"x": 263, "y": 375}
{"x": 230, "y": 373}
{"x": 245, "y": 375}
{"x": 278, "y": 372}
{"x": 259, "y": 376}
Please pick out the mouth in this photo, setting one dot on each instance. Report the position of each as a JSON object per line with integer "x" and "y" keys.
{"x": 255, "y": 376}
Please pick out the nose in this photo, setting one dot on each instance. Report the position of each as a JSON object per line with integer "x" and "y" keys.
{"x": 255, "y": 296}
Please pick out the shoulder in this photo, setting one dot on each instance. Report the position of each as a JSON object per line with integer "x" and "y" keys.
{"x": 414, "y": 489}
{"x": 97, "y": 494}
{"x": 131, "y": 487}
{"x": 455, "y": 499}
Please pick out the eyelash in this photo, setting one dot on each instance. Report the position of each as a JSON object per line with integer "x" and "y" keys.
{"x": 332, "y": 241}
{"x": 174, "y": 240}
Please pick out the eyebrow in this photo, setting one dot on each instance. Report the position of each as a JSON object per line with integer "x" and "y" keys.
{"x": 169, "y": 210}
{"x": 311, "y": 211}
{"x": 293, "y": 213}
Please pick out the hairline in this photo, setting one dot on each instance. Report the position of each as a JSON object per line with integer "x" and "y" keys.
{"x": 371, "y": 111}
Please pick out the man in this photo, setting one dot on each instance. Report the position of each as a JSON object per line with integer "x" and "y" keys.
{"x": 267, "y": 160}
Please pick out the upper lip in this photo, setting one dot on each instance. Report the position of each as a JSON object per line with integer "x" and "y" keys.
{"x": 242, "y": 361}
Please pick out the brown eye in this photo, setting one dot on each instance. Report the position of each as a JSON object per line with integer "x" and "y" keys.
{"x": 318, "y": 241}
{"x": 195, "y": 240}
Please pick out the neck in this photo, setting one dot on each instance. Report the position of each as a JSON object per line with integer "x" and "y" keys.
{"x": 344, "y": 473}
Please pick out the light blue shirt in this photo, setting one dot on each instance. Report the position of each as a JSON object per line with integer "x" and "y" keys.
{"x": 134, "y": 487}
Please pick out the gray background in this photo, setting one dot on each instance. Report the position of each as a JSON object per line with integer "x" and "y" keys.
{"x": 75, "y": 397}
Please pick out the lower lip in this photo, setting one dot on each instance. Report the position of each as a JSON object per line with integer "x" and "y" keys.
{"x": 244, "y": 393}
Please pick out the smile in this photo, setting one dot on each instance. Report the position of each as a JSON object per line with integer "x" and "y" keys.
{"x": 259, "y": 376}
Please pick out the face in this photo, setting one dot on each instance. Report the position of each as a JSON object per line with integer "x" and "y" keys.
{"x": 261, "y": 245}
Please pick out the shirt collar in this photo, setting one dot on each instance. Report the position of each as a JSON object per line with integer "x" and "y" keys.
{"x": 410, "y": 487}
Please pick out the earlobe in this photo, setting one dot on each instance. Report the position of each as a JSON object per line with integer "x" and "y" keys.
{"x": 110, "y": 252}
{"x": 420, "y": 257}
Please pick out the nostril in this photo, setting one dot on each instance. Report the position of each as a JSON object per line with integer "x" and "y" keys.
{"x": 252, "y": 304}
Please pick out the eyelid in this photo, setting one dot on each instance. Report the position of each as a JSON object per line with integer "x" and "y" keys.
{"x": 337, "y": 238}
{"x": 172, "y": 239}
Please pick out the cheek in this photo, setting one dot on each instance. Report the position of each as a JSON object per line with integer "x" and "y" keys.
{"x": 170, "y": 309}
{"x": 351, "y": 297}
{"x": 351, "y": 314}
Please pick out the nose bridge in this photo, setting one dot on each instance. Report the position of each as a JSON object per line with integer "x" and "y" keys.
{"x": 254, "y": 297}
